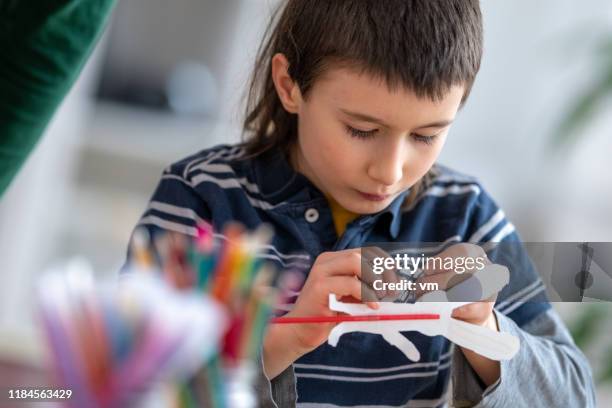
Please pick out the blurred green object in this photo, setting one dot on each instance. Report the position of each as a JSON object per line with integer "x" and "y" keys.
{"x": 43, "y": 47}
{"x": 588, "y": 329}
{"x": 606, "y": 374}
{"x": 587, "y": 105}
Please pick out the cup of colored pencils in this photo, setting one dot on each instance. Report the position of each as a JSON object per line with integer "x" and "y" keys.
{"x": 229, "y": 269}
{"x": 187, "y": 316}
{"x": 112, "y": 344}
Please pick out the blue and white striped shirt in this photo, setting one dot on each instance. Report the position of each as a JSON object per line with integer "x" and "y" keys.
{"x": 218, "y": 186}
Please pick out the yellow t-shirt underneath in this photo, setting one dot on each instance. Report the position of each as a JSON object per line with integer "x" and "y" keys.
{"x": 341, "y": 216}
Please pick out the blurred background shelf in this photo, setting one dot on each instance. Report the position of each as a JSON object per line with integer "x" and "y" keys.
{"x": 117, "y": 130}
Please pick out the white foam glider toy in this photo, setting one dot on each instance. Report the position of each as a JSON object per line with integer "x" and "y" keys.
{"x": 488, "y": 343}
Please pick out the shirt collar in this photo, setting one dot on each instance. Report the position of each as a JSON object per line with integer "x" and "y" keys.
{"x": 278, "y": 182}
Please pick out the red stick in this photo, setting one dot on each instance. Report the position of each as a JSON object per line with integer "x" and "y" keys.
{"x": 349, "y": 318}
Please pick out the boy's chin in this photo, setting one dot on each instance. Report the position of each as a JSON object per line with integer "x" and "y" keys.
{"x": 363, "y": 207}
{"x": 372, "y": 208}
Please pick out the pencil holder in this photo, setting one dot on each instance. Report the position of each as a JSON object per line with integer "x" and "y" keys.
{"x": 111, "y": 344}
{"x": 188, "y": 316}
{"x": 230, "y": 268}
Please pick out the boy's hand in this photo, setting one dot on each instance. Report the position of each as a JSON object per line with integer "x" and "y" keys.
{"x": 480, "y": 313}
{"x": 337, "y": 273}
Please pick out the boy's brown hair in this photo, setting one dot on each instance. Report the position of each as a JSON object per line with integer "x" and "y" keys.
{"x": 425, "y": 46}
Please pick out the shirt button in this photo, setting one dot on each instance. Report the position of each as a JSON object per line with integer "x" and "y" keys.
{"x": 311, "y": 215}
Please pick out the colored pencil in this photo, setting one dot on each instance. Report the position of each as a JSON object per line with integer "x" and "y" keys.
{"x": 349, "y": 318}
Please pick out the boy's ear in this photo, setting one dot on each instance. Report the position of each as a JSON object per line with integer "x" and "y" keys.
{"x": 286, "y": 88}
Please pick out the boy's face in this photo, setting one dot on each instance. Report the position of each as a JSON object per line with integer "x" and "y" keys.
{"x": 362, "y": 144}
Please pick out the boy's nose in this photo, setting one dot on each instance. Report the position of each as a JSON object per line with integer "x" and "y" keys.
{"x": 388, "y": 169}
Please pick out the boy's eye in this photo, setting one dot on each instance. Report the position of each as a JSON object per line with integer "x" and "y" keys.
{"x": 365, "y": 134}
{"x": 362, "y": 134}
{"x": 429, "y": 140}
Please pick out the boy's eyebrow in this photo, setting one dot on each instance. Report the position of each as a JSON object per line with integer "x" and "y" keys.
{"x": 363, "y": 116}
{"x": 368, "y": 118}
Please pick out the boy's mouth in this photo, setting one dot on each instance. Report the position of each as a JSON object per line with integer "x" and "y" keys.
{"x": 373, "y": 197}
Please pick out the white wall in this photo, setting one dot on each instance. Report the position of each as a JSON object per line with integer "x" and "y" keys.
{"x": 538, "y": 58}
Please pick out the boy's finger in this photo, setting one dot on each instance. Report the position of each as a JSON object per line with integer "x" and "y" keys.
{"x": 388, "y": 275}
{"x": 471, "y": 307}
{"x": 343, "y": 286}
{"x": 348, "y": 264}
{"x": 349, "y": 286}
{"x": 475, "y": 312}
{"x": 343, "y": 263}
{"x": 368, "y": 294}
